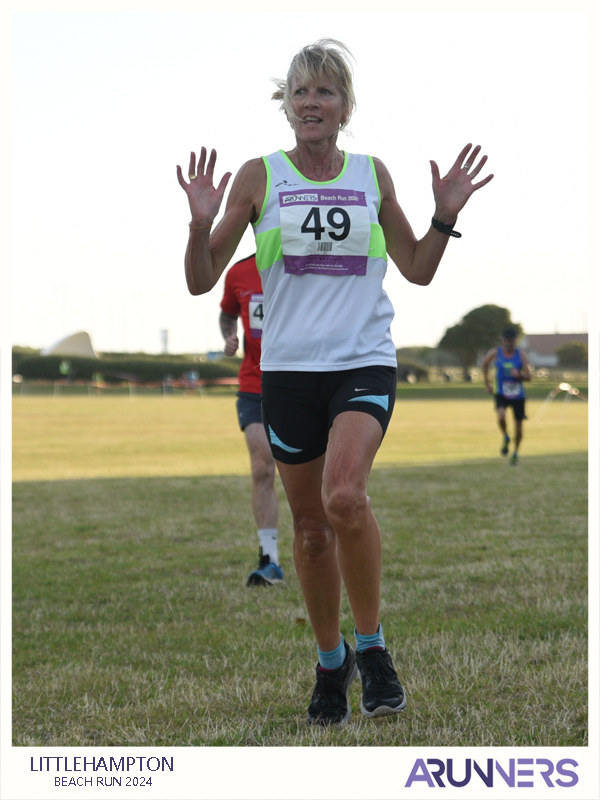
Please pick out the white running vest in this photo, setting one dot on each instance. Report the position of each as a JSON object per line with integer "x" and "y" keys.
{"x": 322, "y": 259}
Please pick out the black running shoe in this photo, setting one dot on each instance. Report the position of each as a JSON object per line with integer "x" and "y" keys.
{"x": 329, "y": 704}
{"x": 382, "y": 692}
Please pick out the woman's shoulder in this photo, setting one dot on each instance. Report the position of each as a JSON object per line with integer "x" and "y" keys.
{"x": 380, "y": 167}
{"x": 384, "y": 179}
{"x": 254, "y": 167}
{"x": 250, "y": 177}
{"x": 248, "y": 190}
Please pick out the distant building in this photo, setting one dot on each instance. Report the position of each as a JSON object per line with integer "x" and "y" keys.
{"x": 541, "y": 347}
{"x": 77, "y": 344}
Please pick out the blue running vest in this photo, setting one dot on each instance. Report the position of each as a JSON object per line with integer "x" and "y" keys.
{"x": 506, "y": 385}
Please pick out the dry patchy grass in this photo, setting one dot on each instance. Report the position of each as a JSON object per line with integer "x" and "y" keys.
{"x": 132, "y": 623}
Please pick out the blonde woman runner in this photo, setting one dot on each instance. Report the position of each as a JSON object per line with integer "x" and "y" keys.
{"x": 325, "y": 221}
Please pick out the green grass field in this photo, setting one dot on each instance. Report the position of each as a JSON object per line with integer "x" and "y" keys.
{"x": 105, "y": 437}
{"x": 133, "y": 537}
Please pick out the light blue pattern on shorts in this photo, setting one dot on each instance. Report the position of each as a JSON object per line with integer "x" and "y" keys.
{"x": 276, "y": 440}
{"x": 378, "y": 399}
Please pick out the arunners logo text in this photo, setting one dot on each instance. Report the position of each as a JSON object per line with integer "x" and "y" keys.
{"x": 300, "y": 198}
{"x": 522, "y": 773}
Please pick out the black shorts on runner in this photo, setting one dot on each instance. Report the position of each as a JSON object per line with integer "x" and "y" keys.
{"x": 248, "y": 408}
{"x": 518, "y": 406}
{"x": 299, "y": 407}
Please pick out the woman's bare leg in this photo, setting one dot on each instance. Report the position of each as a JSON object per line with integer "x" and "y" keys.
{"x": 315, "y": 554}
{"x": 354, "y": 439}
{"x": 336, "y": 533}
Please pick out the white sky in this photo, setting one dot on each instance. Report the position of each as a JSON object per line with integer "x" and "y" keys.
{"x": 106, "y": 104}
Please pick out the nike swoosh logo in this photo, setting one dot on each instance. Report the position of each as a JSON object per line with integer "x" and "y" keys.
{"x": 362, "y": 390}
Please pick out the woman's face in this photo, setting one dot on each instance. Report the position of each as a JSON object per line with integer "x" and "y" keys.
{"x": 319, "y": 105}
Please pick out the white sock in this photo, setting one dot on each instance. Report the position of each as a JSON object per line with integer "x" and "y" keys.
{"x": 268, "y": 541}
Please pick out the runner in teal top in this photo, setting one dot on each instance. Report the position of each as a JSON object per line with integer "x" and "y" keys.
{"x": 511, "y": 368}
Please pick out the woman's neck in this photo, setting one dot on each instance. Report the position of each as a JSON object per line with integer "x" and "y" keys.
{"x": 317, "y": 163}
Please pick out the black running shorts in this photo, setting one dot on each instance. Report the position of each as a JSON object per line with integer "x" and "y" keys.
{"x": 518, "y": 406}
{"x": 248, "y": 408}
{"x": 299, "y": 407}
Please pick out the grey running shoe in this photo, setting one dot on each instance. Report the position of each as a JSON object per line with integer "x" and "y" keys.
{"x": 382, "y": 692}
{"x": 505, "y": 443}
{"x": 266, "y": 574}
{"x": 329, "y": 704}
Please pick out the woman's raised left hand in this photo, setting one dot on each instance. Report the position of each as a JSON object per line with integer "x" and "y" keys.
{"x": 452, "y": 191}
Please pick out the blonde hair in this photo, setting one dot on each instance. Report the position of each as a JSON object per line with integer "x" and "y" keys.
{"x": 323, "y": 57}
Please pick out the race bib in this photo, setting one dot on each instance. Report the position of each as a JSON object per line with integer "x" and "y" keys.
{"x": 511, "y": 389}
{"x": 325, "y": 232}
{"x": 256, "y": 315}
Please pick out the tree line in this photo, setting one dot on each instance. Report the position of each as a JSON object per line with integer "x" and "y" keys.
{"x": 480, "y": 331}
{"x": 461, "y": 345}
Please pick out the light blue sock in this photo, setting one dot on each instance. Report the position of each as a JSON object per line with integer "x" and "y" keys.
{"x": 373, "y": 640}
{"x": 333, "y": 659}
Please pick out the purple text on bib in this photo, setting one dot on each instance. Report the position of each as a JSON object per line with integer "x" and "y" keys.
{"x": 325, "y": 265}
{"x": 335, "y": 197}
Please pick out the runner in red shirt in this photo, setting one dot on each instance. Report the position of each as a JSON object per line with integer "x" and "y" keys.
{"x": 243, "y": 298}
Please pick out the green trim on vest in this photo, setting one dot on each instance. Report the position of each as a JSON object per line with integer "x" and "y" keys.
{"x": 267, "y": 193}
{"x": 377, "y": 246}
{"x": 317, "y": 183}
{"x": 376, "y": 183}
{"x": 268, "y": 248}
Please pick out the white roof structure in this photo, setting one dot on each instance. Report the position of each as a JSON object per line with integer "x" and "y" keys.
{"x": 78, "y": 344}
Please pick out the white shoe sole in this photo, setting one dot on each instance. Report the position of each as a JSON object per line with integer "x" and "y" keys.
{"x": 382, "y": 711}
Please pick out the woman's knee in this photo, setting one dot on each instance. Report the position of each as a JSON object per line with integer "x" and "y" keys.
{"x": 313, "y": 538}
{"x": 345, "y": 502}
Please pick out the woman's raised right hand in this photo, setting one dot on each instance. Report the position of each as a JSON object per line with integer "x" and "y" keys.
{"x": 203, "y": 198}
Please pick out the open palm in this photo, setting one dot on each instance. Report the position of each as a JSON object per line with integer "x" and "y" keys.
{"x": 452, "y": 191}
{"x": 203, "y": 198}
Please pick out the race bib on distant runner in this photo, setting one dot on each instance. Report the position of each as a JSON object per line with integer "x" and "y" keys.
{"x": 325, "y": 232}
{"x": 256, "y": 315}
{"x": 511, "y": 389}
